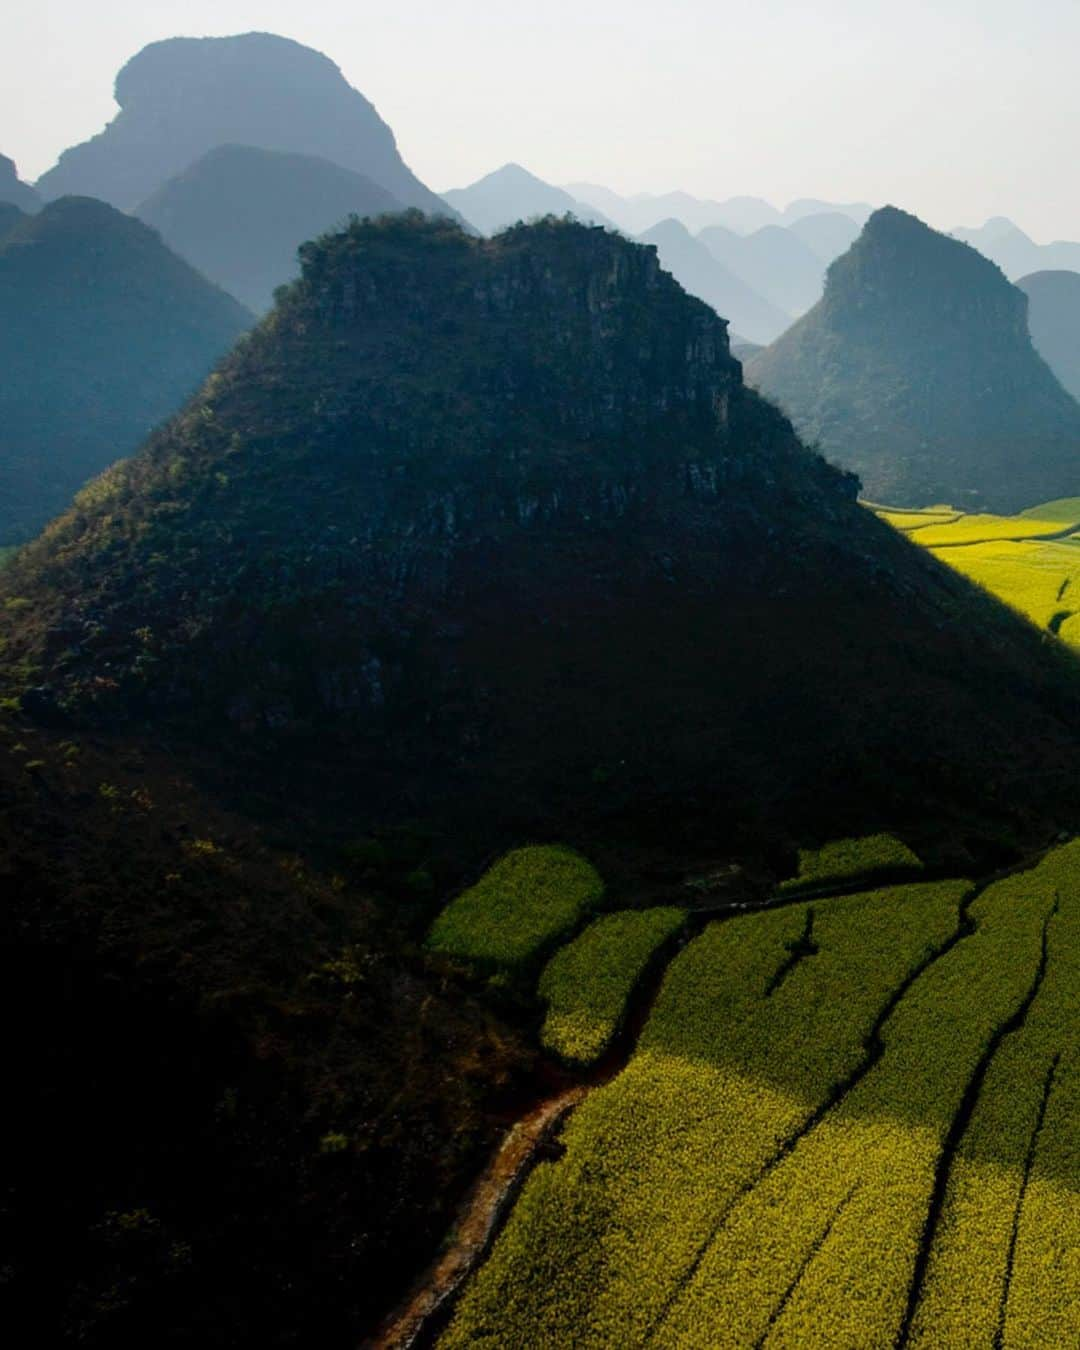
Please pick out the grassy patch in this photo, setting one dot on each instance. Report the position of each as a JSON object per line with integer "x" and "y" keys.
{"x": 844, "y": 860}
{"x": 586, "y": 985}
{"x": 526, "y": 901}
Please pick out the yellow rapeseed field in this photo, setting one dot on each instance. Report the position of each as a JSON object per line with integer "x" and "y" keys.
{"x": 849, "y": 1122}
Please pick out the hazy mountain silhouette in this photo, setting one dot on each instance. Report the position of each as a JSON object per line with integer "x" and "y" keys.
{"x": 916, "y": 370}
{"x": 103, "y": 333}
{"x": 644, "y": 210}
{"x": 1054, "y": 322}
{"x": 239, "y": 214}
{"x": 10, "y": 218}
{"x": 806, "y": 207}
{"x": 742, "y": 215}
{"x": 512, "y": 194}
{"x": 829, "y": 234}
{"x": 696, "y": 268}
{"x": 15, "y": 192}
{"x": 491, "y": 532}
{"x": 773, "y": 261}
{"x": 184, "y": 96}
{"x": 1016, "y": 253}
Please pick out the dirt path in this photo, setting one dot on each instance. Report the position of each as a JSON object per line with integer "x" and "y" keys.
{"x": 416, "y": 1321}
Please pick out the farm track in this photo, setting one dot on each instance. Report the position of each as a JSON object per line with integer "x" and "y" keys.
{"x": 427, "y": 1307}
{"x": 417, "y": 1321}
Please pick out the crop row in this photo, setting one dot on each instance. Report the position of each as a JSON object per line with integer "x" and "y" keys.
{"x": 825, "y": 1249}
{"x": 587, "y": 983}
{"x": 730, "y": 1069}
{"x": 1005, "y": 1263}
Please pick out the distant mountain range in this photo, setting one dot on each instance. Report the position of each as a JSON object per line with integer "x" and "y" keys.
{"x": 697, "y": 268}
{"x": 743, "y": 215}
{"x": 103, "y": 333}
{"x": 13, "y": 192}
{"x": 916, "y": 370}
{"x": 185, "y": 96}
{"x": 238, "y": 214}
{"x": 512, "y": 194}
{"x": 1016, "y": 253}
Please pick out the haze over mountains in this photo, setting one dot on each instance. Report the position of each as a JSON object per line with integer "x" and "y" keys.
{"x": 103, "y": 334}
{"x": 238, "y": 214}
{"x": 916, "y": 370}
{"x": 743, "y": 215}
{"x": 512, "y": 194}
{"x": 15, "y": 192}
{"x": 184, "y": 96}
{"x": 1054, "y": 322}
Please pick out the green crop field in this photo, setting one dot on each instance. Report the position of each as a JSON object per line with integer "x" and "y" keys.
{"x": 525, "y": 902}
{"x": 848, "y": 1121}
{"x": 587, "y": 983}
{"x": 848, "y": 859}
{"x": 1011, "y": 557}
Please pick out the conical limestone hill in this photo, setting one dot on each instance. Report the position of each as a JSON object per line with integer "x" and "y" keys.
{"x": 492, "y": 532}
{"x": 916, "y": 370}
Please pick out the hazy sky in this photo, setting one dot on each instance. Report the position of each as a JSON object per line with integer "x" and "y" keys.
{"x": 955, "y": 109}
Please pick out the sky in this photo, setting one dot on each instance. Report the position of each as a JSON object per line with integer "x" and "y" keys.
{"x": 957, "y": 110}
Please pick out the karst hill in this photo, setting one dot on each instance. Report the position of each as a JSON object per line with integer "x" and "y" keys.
{"x": 916, "y": 370}
{"x": 492, "y": 531}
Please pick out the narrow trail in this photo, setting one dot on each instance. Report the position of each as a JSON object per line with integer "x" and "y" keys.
{"x": 418, "y": 1320}
{"x": 426, "y": 1307}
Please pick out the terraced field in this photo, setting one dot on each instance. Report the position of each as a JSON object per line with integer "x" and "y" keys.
{"x": 850, "y": 1120}
{"x": 1031, "y": 560}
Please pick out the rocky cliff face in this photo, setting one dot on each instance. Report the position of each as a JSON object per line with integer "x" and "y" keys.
{"x": 184, "y": 96}
{"x": 494, "y": 529}
{"x": 916, "y": 370}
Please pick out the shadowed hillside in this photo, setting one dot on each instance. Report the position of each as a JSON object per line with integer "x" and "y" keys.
{"x": 492, "y": 532}
{"x": 103, "y": 333}
{"x": 916, "y": 371}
